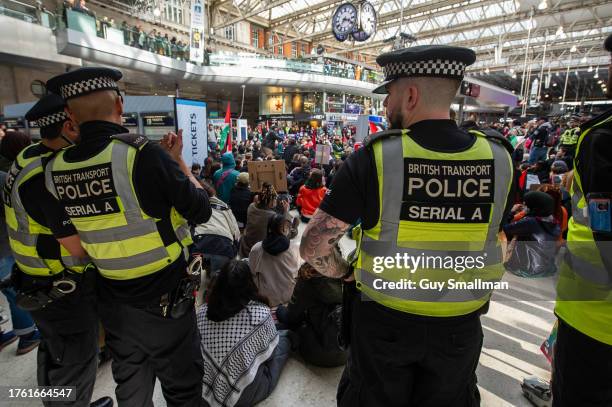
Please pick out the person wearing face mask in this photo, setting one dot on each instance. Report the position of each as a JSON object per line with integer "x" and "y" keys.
{"x": 50, "y": 273}
{"x": 425, "y": 188}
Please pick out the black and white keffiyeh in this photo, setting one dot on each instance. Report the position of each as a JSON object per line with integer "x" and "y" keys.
{"x": 233, "y": 350}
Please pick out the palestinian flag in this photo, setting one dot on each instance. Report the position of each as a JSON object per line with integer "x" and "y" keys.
{"x": 225, "y": 141}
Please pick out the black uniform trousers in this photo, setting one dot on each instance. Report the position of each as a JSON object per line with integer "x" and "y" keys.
{"x": 68, "y": 350}
{"x": 582, "y": 370}
{"x": 400, "y": 359}
{"x": 144, "y": 346}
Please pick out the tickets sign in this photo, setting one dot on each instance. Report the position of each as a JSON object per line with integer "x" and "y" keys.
{"x": 191, "y": 118}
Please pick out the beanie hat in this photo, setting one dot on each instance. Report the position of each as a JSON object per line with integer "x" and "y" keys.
{"x": 539, "y": 203}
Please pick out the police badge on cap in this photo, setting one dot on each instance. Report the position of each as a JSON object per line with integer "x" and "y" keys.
{"x": 439, "y": 61}
{"x": 47, "y": 112}
{"x": 84, "y": 81}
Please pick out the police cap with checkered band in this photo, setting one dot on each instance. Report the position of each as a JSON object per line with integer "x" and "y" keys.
{"x": 84, "y": 81}
{"x": 438, "y": 61}
{"x": 48, "y": 112}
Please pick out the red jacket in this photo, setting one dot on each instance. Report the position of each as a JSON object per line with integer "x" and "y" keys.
{"x": 309, "y": 199}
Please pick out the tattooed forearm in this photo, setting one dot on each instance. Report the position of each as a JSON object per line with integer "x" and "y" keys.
{"x": 319, "y": 245}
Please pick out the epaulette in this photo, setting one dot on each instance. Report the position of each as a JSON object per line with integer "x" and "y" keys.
{"x": 134, "y": 140}
{"x": 496, "y": 137}
{"x": 381, "y": 135}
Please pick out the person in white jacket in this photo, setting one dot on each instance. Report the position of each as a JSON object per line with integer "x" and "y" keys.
{"x": 218, "y": 237}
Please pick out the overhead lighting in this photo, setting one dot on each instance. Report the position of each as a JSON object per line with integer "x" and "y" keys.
{"x": 573, "y": 48}
{"x": 583, "y": 60}
{"x": 156, "y": 12}
{"x": 511, "y": 70}
{"x": 590, "y": 69}
{"x": 547, "y": 95}
{"x": 543, "y": 5}
{"x": 559, "y": 31}
{"x": 513, "y": 76}
{"x": 555, "y": 84}
{"x": 600, "y": 82}
{"x": 487, "y": 70}
{"x": 596, "y": 73}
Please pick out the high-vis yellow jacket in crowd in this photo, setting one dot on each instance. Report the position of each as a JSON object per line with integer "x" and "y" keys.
{"x": 99, "y": 196}
{"x": 584, "y": 290}
{"x": 23, "y": 231}
{"x": 439, "y": 223}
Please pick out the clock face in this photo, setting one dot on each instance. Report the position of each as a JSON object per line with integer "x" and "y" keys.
{"x": 344, "y": 20}
{"x": 367, "y": 19}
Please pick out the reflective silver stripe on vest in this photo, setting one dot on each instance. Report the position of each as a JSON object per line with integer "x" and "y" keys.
{"x": 33, "y": 262}
{"x": 130, "y": 262}
{"x": 393, "y": 164}
{"x": 182, "y": 232}
{"x": 72, "y": 262}
{"x": 117, "y": 233}
{"x": 27, "y": 239}
{"x": 20, "y": 213}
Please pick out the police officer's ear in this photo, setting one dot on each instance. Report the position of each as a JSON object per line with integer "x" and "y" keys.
{"x": 71, "y": 131}
{"x": 119, "y": 104}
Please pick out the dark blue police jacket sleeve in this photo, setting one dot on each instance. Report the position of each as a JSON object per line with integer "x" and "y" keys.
{"x": 160, "y": 184}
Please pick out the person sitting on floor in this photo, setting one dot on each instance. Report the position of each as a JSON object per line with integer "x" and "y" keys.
{"x": 310, "y": 195}
{"x": 275, "y": 262}
{"x": 217, "y": 238}
{"x": 243, "y": 352}
{"x": 313, "y": 313}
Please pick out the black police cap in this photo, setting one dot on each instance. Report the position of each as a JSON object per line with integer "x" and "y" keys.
{"x": 48, "y": 111}
{"x": 441, "y": 61}
{"x": 84, "y": 81}
{"x": 608, "y": 43}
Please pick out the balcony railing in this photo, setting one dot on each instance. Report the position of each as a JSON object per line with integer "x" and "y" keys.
{"x": 85, "y": 21}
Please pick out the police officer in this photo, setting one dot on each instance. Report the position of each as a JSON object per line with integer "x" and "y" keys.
{"x": 424, "y": 191}
{"x": 50, "y": 262}
{"x": 583, "y": 351}
{"x": 130, "y": 202}
{"x": 569, "y": 138}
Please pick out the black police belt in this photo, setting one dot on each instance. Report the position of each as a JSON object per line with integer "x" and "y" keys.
{"x": 181, "y": 300}
{"x": 51, "y": 289}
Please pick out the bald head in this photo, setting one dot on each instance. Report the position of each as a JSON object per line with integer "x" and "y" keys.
{"x": 103, "y": 105}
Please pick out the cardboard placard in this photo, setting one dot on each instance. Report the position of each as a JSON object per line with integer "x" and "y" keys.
{"x": 322, "y": 154}
{"x": 272, "y": 171}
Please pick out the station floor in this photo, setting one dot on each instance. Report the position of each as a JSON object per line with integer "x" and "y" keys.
{"x": 513, "y": 332}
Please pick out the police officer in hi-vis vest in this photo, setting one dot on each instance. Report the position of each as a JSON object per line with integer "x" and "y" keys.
{"x": 50, "y": 275}
{"x": 431, "y": 198}
{"x": 582, "y": 365}
{"x": 569, "y": 138}
{"x": 130, "y": 202}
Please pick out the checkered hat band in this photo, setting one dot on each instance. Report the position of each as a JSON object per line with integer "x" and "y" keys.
{"x": 87, "y": 86}
{"x": 51, "y": 119}
{"x": 438, "y": 67}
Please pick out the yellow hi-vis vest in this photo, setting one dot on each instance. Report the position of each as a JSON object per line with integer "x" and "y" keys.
{"x": 99, "y": 196}
{"x": 570, "y": 136}
{"x": 584, "y": 289}
{"x": 24, "y": 232}
{"x": 442, "y": 210}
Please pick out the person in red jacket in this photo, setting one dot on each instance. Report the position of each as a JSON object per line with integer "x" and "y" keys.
{"x": 310, "y": 195}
